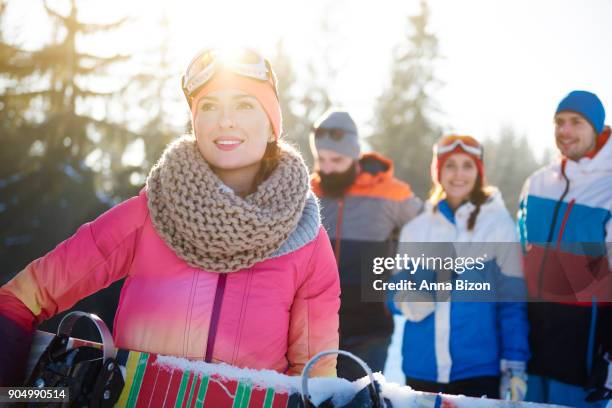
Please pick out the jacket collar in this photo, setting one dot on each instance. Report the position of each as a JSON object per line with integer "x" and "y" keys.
{"x": 459, "y": 217}
{"x": 601, "y": 162}
{"x": 306, "y": 230}
{"x": 374, "y": 169}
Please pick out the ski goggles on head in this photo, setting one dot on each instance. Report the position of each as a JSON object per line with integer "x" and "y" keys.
{"x": 333, "y": 133}
{"x": 244, "y": 62}
{"x": 466, "y": 143}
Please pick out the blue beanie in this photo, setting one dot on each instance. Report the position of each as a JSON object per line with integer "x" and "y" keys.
{"x": 586, "y": 104}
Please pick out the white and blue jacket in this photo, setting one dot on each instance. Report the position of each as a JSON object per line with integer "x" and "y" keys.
{"x": 566, "y": 228}
{"x": 460, "y": 339}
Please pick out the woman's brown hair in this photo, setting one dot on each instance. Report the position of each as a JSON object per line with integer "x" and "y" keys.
{"x": 478, "y": 196}
{"x": 269, "y": 162}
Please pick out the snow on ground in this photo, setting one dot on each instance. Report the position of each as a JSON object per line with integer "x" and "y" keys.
{"x": 393, "y": 367}
{"x": 394, "y": 379}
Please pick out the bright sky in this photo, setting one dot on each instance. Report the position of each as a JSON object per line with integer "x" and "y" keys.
{"x": 506, "y": 62}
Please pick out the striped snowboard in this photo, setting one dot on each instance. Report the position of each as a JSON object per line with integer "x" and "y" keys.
{"x": 150, "y": 385}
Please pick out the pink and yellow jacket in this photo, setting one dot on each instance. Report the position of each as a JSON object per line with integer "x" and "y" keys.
{"x": 275, "y": 315}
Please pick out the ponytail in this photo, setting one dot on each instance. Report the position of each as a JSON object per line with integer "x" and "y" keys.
{"x": 479, "y": 195}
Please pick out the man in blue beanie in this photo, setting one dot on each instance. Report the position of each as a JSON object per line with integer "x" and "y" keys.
{"x": 566, "y": 229}
{"x": 579, "y": 121}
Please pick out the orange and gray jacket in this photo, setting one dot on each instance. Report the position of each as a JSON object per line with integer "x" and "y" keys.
{"x": 371, "y": 212}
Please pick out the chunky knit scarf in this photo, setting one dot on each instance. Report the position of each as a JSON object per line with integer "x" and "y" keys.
{"x": 207, "y": 225}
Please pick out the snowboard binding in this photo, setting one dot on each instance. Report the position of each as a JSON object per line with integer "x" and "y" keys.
{"x": 92, "y": 376}
{"x": 368, "y": 397}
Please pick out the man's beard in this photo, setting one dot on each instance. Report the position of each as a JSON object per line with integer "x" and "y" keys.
{"x": 335, "y": 184}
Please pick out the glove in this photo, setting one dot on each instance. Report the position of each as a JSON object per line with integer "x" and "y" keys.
{"x": 414, "y": 306}
{"x": 513, "y": 384}
{"x": 16, "y": 334}
{"x": 15, "y": 344}
{"x": 600, "y": 383}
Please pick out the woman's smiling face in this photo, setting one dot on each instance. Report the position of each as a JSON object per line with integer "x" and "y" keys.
{"x": 458, "y": 177}
{"x": 232, "y": 130}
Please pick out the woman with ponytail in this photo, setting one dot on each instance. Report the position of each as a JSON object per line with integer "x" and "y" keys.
{"x": 223, "y": 252}
{"x": 454, "y": 342}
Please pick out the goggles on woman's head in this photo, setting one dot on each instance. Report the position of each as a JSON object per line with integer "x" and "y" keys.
{"x": 207, "y": 63}
{"x": 466, "y": 143}
{"x": 333, "y": 133}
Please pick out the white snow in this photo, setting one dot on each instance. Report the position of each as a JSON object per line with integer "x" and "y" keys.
{"x": 340, "y": 389}
{"x": 262, "y": 378}
{"x": 394, "y": 378}
{"x": 319, "y": 388}
{"x": 393, "y": 367}
{"x": 405, "y": 397}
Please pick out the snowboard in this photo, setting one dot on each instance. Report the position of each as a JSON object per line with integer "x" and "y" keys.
{"x": 160, "y": 381}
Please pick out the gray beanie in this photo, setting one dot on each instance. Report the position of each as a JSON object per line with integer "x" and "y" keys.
{"x": 335, "y": 119}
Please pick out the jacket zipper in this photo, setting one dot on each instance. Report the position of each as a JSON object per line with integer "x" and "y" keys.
{"x": 339, "y": 230}
{"x": 551, "y": 231}
{"x": 565, "y": 217}
{"x": 214, "y": 317}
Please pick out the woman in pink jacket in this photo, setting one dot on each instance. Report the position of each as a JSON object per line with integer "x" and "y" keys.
{"x": 223, "y": 253}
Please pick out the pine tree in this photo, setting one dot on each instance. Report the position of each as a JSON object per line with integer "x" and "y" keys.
{"x": 403, "y": 128}
{"x": 314, "y": 102}
{"x": 151, "y": 90}
{"x": 158, "y": 132}
{"x": 46, "y": 189}
{"x": 18, "y": 137}
{"x": 509, "y": 161}
{"x": 300, "y": 109}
